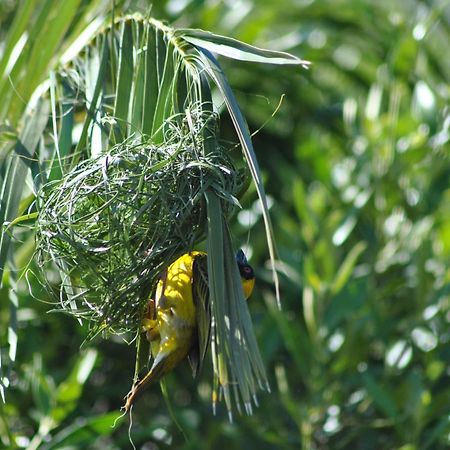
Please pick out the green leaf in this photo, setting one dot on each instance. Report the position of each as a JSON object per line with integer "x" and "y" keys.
{"x": 237, "y": 362}
{"x": 69, "y": 391}
{"x": 124, "y": 81}
{"x": 84, "y": 431}
{"x": 214, "y": 70}
{"x": 51, "y": 32}
{"x": 41, "y": 386}
{"x": 232, "y": 48}
{"x": 345, "y": 270}
{"x": 16, "y": 167}
{"x": 83, "y": 32}
{"x": 138, "y": 93}
{"x": 96, "y": 84}
{"x": 309, "y": 226}
{"x": 294, "y": 337}
{"x": 151, "y": 82}
{"x": 63, "y": 136}
{"x": 14, "y": 306}
{"x": 437, "y": 431}
{"x": 166, "y": 78}
{"x": 344, "y": 230}
{"x": 15, "y": 32}
{"x": 380, "y": 396}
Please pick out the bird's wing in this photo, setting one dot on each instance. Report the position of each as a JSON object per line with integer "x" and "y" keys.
{"x": 200, "y": 293}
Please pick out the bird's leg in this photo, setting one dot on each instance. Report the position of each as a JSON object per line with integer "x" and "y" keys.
{"x": 163, "y": 303}
{"x": 150, "y": 322}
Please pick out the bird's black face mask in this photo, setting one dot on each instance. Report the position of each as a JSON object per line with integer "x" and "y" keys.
{"x": 245, "y": 269}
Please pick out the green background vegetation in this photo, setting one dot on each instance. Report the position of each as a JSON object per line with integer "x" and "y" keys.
{"x": 356, "y": 163}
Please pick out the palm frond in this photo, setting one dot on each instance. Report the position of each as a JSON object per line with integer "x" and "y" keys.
{"x": 147, "y": 179}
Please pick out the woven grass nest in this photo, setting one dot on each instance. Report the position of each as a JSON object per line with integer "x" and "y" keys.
{"x": 115, "y": 221}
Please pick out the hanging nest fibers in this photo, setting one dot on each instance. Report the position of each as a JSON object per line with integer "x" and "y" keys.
{"x": 115, "y": 221}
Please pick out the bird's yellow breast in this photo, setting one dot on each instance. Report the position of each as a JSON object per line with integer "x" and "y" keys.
{"x": 247, "y": 286}
{"x": 177, "y": 297}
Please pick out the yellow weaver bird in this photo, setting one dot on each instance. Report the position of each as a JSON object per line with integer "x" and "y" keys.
{"x": 178, "y": 320}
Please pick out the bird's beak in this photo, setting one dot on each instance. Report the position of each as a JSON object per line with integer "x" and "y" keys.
{"x": 240, "y": 257}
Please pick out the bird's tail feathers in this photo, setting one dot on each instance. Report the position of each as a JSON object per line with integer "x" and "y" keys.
{"x": 163, "y": 363}
{"x": 158, "y": 369}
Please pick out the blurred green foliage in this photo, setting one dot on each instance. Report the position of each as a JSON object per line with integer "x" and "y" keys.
{"x": 357, "y": 165}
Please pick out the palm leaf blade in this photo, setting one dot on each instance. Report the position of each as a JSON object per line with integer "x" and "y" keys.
{"x": 232, "y": 48}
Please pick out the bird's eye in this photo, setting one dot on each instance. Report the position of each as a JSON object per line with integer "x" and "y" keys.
{"x": 247, "y": 269}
